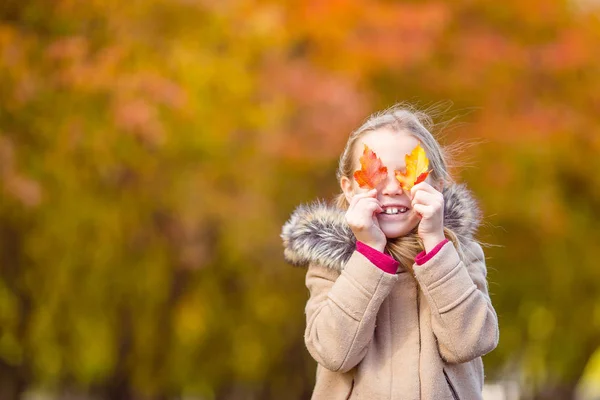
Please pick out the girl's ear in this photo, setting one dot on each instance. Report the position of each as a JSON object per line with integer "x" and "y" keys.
{"x": 346, "y": 185}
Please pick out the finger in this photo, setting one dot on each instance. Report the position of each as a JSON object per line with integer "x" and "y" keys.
{"x": 433, "y": 196}
{"x": 362, "y": 215}
{"x": 358, "y": 196}
{"x": 426, "y": 198}
{"x": 422, "y": 186}
{"x": 369, "y": 203}
{"x": 364, "y": 207}
{"x": 423, "y": 211}
{"x": 365, "y": 198}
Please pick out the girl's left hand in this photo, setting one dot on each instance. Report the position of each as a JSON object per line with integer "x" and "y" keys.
{"x": 428, "y": 203}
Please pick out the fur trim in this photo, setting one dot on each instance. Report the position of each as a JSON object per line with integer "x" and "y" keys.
{"x": 318, "y": 232}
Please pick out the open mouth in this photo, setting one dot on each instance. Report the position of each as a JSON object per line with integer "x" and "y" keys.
{"x": 395, "y": 210}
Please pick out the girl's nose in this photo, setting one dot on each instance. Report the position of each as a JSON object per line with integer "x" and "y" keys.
{"x": 392, "y": 186}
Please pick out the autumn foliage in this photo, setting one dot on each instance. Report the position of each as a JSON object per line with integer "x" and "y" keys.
{"x": 417, "y": 168}
{"x": 372, "y": 171}
{"x": 150, "y": 152}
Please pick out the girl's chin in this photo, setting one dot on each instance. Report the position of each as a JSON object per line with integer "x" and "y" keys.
{"x": 395, "y": 234}
{"x": 395, "y": 229}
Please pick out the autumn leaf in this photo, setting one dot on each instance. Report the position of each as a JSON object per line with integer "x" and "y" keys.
{"x": 372, "y": 171}
{"x": 417, "y": 165}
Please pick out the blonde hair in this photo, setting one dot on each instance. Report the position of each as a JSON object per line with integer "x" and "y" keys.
{"x": 401, "y": 118}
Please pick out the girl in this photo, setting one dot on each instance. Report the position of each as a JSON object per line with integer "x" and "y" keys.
{"x": 399, "y": 305}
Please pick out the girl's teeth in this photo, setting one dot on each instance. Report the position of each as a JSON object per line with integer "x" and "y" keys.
{"x": 394, "y": 210}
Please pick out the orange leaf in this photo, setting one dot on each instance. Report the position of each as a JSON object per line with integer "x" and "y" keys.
{"x": 372, "y": 171}
{"x": 417, "y": 165}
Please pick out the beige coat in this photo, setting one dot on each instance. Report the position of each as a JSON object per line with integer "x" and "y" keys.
{"x": 382, "y": 336}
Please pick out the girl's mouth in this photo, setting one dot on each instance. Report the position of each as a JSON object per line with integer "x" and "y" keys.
{"x": 395, "y": 210}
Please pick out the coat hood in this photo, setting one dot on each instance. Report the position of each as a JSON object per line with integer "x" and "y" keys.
{"x": 318, "y": 232}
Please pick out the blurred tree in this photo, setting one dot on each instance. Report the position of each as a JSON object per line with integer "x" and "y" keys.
{"x": 149, "y": 153}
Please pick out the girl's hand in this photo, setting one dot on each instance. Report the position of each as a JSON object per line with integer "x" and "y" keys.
{"x": 362, "y": 218}
{"x": 428, "y": 203}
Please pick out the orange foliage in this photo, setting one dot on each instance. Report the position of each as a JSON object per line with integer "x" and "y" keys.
{"x": 372, "y": 171}
{"x": 130, "y": 136}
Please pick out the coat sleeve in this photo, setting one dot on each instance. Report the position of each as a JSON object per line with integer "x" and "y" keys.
{"x": 341, "y": 311}
{"x": 463, "y": 318}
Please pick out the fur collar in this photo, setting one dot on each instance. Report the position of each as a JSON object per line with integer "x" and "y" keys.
{"x": 317, "y": 232}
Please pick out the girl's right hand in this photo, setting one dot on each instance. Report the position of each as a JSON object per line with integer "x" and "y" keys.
{"x": 362, "y": 219}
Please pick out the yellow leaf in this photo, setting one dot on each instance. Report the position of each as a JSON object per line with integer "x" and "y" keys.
{"x": 417, "y": 165}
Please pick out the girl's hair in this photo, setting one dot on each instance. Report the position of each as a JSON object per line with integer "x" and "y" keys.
{"x": 400, "y": 118}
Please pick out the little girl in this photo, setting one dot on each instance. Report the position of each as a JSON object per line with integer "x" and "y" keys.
{"x": 399, "y": 306}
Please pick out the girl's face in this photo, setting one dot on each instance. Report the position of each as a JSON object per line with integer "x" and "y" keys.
{"x": 391, "y": 147}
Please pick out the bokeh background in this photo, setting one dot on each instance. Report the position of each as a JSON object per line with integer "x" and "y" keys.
{"x": 151, "y": 150}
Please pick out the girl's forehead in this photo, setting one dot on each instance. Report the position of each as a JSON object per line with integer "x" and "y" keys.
{"x": 390, "y": 146}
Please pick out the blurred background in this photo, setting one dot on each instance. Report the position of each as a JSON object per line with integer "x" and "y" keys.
{"x": 150, "y": 152}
